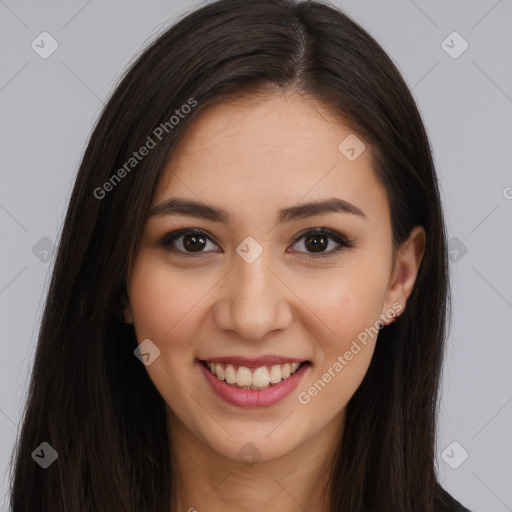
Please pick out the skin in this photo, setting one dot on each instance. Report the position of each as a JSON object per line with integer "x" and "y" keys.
{"x": 282, "y": 149}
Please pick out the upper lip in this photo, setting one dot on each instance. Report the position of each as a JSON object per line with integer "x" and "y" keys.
{"x": 254, "y": 362}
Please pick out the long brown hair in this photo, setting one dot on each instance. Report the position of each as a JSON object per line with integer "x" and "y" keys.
{"x": 92, "y": 400}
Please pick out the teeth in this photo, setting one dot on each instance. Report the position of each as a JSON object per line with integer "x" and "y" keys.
{"x": 243, "y": 377}
{"x": 259, "y": 378}
{"x": 220, "y": 372}
{"x": 230, "y": 375}
{"x": 275, "y": 374}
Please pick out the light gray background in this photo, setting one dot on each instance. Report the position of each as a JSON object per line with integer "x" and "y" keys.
{"x": 48, "y": 109}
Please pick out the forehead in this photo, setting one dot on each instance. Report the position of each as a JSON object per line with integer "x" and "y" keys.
{"x": 281, "y": 148}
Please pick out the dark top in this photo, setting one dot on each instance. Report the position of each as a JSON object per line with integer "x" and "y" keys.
{"x": 450, "y": 503}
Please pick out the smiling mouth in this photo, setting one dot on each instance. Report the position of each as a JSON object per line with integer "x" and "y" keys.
{"x": 253, "y": 378}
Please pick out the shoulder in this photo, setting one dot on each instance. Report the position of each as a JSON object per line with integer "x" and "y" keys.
{"x": 447, "y": 503}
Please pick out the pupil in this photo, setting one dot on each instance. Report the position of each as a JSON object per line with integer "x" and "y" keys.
{"x": 315, "y": 244}
{"x": 194, "y": 242}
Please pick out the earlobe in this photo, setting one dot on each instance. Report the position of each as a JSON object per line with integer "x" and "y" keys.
{"x": 407, "y": 265}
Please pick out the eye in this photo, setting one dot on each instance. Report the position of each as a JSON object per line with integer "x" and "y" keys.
{"x": 193, "y": 241}
{"x": 317, "y": 241}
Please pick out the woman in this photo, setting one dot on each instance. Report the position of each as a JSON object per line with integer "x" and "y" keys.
{"x": 249, "y": 299}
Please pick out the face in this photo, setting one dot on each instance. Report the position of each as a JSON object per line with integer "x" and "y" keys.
{"x": 262, "y": 281}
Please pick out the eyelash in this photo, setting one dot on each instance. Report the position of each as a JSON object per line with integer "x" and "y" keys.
{"x": 342, "y": 242}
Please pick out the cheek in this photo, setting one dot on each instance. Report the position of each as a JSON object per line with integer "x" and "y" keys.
{"x": 349, "y": 305}
{"x": 166, "y": 304}
{"x": 348, "y": 302}
{"x": 166, "y": 307}
{"x": 343, "y": 353}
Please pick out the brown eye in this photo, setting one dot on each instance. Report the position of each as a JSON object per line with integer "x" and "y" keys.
{"x": 194, "y": 243}
{"x": 186, "y": 241}
{"x": 317, "y": 241}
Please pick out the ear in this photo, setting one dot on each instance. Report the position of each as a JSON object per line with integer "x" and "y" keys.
{"x": 126, "y": 310}
{"x": 406, "y": 266}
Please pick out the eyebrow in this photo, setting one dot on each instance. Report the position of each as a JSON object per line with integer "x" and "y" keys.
{"x": 190, "y": 208}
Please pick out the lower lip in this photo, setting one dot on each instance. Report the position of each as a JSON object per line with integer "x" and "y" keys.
{"x": 257, "y": 398}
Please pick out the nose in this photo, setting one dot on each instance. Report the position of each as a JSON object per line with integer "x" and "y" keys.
{"x": 253, "y": 300}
